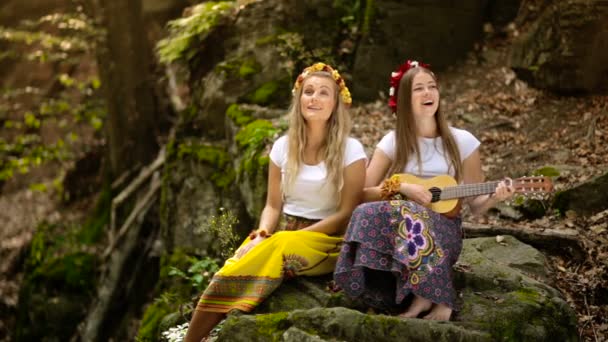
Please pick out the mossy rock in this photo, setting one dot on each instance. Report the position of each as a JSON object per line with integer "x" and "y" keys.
{"x": 505, "y": 296}
{"x": 548, "y": 52}
{"x": 186, "y": 34}
{"x": 585, "y": 199}
{"x": 55, "y": 296}
{"x": 198, "y": 180}
{"x": 271, "y": 92}
{"x": 341, "y": 324}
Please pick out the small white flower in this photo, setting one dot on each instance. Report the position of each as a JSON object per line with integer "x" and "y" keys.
{"x": 414, "y": 64}
{"x": 176, "y": 334}
{"x": 391, "y": 91}
{"x": 394, "y": 74}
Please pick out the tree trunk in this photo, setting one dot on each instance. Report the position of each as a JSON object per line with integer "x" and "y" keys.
{"x": 125, "y": 63}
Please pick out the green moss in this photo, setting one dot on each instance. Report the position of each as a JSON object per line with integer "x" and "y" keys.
{"x": 165, "y": 192}
{"x": 272, "y": 325}
{"x": 528, "y": 295}
{"x": 252, "y": 140}
{"x": 185, "y": 34}
{"x": 367, "y": 17}
{"x": 547, "y": 171}
{"x": 72, "y": 272}
{"x": 93, "y": 230}
{"x": 248, "y": 68}
{"x": 238, "y": 115}
{"x": 224, "y": 174}
{"x": 239, "y": 68}
{"x": 267, "y": 40}
{"x": 154, "y": 314}
{"x": 265, "y": 94}
{"x": 39, "y": 246}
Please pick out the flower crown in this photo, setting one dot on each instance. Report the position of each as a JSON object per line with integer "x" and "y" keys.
{"x": 344, "y": 93}
{"x": 396, "y": 78}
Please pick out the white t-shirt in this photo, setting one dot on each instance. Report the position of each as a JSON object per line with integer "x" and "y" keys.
{"x": 431, "y": 152}
{"x": 311, "y": 196}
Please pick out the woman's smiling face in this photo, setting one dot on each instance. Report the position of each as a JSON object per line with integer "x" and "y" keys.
{"x": 318, "y": 98}
{"x": 425, "y": 95}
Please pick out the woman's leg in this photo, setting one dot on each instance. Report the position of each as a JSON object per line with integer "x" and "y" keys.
{"x": 201, "y": 324}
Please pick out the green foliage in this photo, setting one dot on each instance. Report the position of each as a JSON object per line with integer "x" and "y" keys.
{"x": 148, "y": 330}
{"x": 222, "y": 228}
{"x": 71, "y": 272}
{"x": 186, "y": 33}
{"x": 56, "y": 261}
{"x": 253, "y": 139}
{"x": 547, "y": 171}
{"x": 199, "y": 272}
{"x": 60, "y": 39}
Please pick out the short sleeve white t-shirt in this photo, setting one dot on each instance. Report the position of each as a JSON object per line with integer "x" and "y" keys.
{"x": 311, "y": 196}
{"x": 432, "y": 154}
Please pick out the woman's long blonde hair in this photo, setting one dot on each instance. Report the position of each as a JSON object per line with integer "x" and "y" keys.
{"x": 406, "y": 135}
{"x": 338, "y": 129}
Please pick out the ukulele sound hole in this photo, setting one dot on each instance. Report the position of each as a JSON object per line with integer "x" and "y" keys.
{"x": 436, "y": 192}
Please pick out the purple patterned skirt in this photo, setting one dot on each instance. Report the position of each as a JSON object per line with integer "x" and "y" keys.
{"x": 395, "y": 248}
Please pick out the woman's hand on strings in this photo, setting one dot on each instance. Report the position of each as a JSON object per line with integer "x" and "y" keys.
{"x": 504, "y": 190}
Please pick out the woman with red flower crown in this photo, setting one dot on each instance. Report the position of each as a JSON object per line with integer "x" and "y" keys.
{"x": 316, "y": 175}
{"x": 397, "y": 250}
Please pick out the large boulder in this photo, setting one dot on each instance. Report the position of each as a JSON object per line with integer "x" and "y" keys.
{"x": 566, "y": 48}
{"x": 198, "y": 180}
{"x": 436, "y": 32}
{"x": 586, "y": 198}
{"x": 252, "y": 54}
{"x": 504, "y": 288}
{"x": 201, "y": 176}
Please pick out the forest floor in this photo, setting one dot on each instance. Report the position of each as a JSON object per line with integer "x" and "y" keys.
{"x": 521, "y": 129}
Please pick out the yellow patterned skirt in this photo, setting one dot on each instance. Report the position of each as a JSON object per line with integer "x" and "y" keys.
{"x": 244, "y": 283}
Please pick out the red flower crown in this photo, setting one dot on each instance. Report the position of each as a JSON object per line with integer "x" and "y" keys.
{"x": 396, "y": 78}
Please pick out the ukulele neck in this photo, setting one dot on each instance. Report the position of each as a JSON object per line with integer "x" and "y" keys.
{"x": 468, "y": 190}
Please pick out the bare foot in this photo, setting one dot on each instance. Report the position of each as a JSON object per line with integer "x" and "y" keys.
{"x": 440, "y": 312}
{"x": 418, "y": 305}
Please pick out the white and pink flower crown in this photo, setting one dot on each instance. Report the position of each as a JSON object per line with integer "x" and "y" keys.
{"x": 344, "y": 92}
{"x": 396, "y": 78}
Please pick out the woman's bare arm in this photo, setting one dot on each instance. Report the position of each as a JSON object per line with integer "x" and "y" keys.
{"x": 375, "y": 173}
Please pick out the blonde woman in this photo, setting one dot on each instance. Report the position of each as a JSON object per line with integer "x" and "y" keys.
{"x": 397, "y": 250}
{"x": 315, "y": 180}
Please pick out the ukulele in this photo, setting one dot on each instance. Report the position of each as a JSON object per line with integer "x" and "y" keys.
{"x": 447, "y": 192}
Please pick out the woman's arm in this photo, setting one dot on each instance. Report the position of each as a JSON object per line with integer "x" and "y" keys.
{"x": 274, "y": 200}
{"x": 473, "y": 174}
{"x": 375, "y": 173}
{"x": 354, "y": 179}
{"x": 272, "y": 210}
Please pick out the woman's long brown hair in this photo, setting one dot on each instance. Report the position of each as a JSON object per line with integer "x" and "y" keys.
{"x": 406, "y": 135}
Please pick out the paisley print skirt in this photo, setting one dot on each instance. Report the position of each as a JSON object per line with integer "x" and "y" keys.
{"x": 395, "y": 248}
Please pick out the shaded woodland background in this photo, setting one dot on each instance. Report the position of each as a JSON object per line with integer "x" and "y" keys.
{"x": 106, "y": 112}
